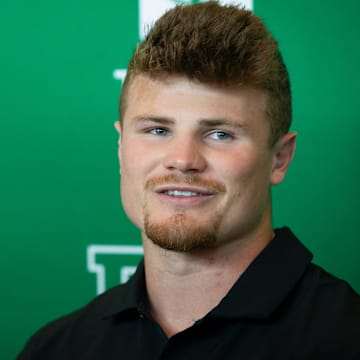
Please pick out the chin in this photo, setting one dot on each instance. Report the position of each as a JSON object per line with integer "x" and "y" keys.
{"x": 179, "y": 234}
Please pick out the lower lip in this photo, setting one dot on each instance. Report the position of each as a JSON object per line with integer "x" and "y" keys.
{"x": 184, "y": 200}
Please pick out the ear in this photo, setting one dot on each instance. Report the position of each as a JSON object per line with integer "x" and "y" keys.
{"x": 117, "y": 126}
{"x": 284, "y": 151}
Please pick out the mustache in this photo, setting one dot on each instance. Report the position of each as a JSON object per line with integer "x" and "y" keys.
{"x": 194, "y": 180}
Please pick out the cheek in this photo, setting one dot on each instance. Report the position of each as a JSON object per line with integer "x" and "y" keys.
{"x": 238, "y": 167}
{"x": 131, "y": 182}
{"x": 133, "y": 158}
{"x": 137, "y": 164}
{"x": 247, "y": 173}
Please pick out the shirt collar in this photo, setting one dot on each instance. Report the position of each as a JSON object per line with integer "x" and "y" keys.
{"x": 268, "y": 280}
{"x": 257, "y": 293}
{"x": 129, "y": 297}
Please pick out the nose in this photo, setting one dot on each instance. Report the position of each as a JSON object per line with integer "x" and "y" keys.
{"x": 184, "y": 155}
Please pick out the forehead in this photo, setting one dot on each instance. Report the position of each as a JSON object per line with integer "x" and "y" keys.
{"x": 179, "y": 97}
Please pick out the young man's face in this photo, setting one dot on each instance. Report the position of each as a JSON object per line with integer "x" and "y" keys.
{"x": 196, "y": 165}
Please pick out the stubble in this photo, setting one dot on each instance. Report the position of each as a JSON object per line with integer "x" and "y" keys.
{"x": 179, "y": 231}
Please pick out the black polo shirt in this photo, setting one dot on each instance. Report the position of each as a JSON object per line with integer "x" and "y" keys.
{"x": 282, "y": 307}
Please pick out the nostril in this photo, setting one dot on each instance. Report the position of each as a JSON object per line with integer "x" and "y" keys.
{"x": 185, "y": 156}
{"x": 194, "y": 164}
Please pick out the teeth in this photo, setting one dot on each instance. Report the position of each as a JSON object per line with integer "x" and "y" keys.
{"x": 181, "y": 193}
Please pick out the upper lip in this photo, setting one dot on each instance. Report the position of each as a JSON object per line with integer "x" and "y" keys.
{"x": 195, "y": 189}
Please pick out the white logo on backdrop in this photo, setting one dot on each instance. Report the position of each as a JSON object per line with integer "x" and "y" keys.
{"x": 151, "y": 10}
{"x": 100, "y": 268}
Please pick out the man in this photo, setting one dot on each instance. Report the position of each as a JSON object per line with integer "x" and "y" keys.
{"x": 204, "y": 134}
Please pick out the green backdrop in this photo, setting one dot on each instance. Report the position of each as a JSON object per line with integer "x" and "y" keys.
{"x": 58, "y": 165}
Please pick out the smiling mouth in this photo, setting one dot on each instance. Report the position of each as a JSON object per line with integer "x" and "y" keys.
{"x": 185, "y": 196}
{"x": 173, "y": 186}
{"x": 179, "y": 193}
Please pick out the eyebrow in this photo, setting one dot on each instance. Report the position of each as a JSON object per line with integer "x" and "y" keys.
{"x": 156, "y": 119}
{"x": 221, "y": 122}
{"x": 202, "y": 122}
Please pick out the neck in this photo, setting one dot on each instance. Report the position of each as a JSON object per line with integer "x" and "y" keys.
{"x": 184, "y": 287}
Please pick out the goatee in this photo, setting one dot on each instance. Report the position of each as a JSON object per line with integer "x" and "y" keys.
{"x": 179, "y": 233}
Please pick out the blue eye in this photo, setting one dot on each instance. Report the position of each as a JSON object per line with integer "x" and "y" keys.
{"x": 159, "y": 132}
{"x": 220, "y": 135}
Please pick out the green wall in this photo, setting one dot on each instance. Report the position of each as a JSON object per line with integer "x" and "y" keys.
{"x": 58, "y": 166}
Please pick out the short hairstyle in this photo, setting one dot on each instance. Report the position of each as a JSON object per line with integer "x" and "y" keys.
{"x": 221, "y": 45}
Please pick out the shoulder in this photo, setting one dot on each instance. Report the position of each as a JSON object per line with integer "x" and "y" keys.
{"x": 56, "y": 333}
{"x": 331, "y": 290}
{"x": 333, "y": 308}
